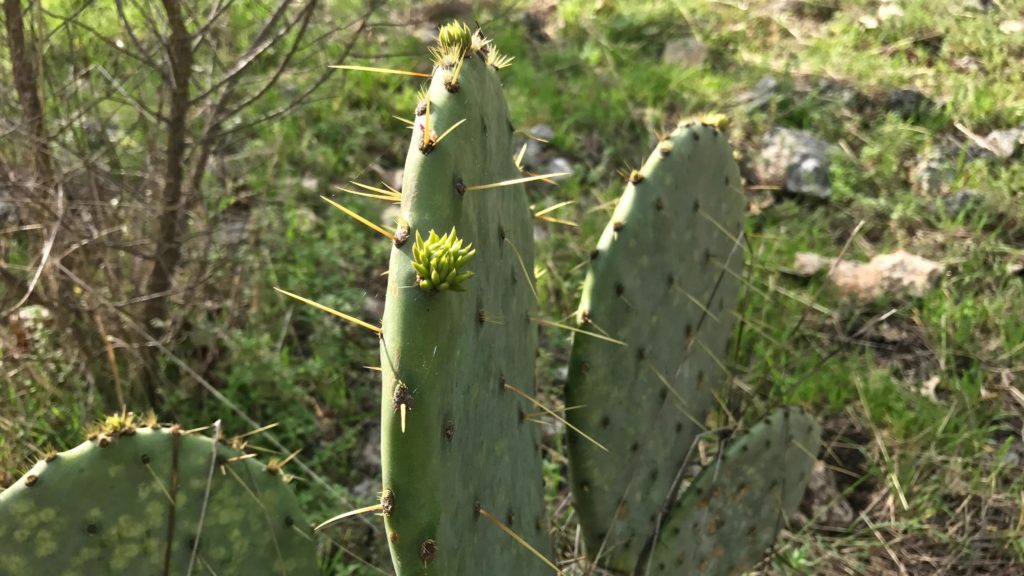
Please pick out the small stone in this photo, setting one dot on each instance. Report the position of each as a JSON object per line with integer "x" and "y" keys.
{"x": 687, "y": 52}
{"x": 1004, "y": 144}
{"x": 967, "y": 63}
{"x": 542, "y": 131}
{"x": 823, "y": 501}
{"x": 889, "y": 11}
{"x": 794, "y": 160}
{"x": 958, "y": 202}
{"x": 907, "y": 103}
{"x": 868, "y": 22}
{"x": 894, "y": 275}
{"x": 310, "y": 183}
{"x": 928, "y": 387}
{"x": 761, "y": 94}
{"x": 1011, "y": 26}
{"x": 932, "y": 174}
{"x": 535, "y": 148}
{"x": 559, "y": 164}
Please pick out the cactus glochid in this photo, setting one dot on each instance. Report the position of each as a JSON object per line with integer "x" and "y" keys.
{"x": 152, "y": 500}
{"x": 465, "y": 451}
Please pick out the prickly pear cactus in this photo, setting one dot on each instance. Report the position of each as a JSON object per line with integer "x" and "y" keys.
{"x": 663, "y": 280}
{"x": 731, "y": 513}
{"x": 455, "y": 444}
{"x": 139, "y": 501}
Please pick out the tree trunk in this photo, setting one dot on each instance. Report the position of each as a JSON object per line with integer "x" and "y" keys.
{"x": 26, "y": 82}
{"x": 174, "y": 202}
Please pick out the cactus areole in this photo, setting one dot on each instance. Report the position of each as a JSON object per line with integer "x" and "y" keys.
{"x": 465, "y": 447}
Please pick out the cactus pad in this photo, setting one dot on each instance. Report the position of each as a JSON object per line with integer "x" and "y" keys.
{"x": 447, "y": 356}
{"x": 131, "y": 503}
{"x": 730, "y": 513}
{"x": 664, "y": 280}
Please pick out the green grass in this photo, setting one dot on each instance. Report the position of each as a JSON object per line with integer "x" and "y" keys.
{"x": 927, "y": 479}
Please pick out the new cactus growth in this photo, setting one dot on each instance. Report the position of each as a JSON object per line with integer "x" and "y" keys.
{"x": 467, "y": 458}
{"x": 664, "y": 280}
{"x": 440, "y": 262}
{"x": 730, "y": 513}
{"x": 152, "y": 500}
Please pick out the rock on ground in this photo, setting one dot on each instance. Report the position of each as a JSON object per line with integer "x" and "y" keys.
{"x": 898, "y": 274}
{"x": 794, "y": 160}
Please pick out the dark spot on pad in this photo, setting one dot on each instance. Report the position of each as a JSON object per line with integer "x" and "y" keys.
{"x": 460, "y": 186}
{"x": 605, "y": 421}
{"x": 428, "y": 549}
{"x": 594, "y": 254}
{"x": 145, "y": 458}
{"x": 31, "y": 480}
{"x": 619, "y": 289}
{"x": 659, "y": 204}
{"x": 641, "y": 354}
{"x": 288, "y": 521}
{"x": 617, "y": 226}
{"x": 449, "y": 430}
{"x": 634, "y": 447}
{"x": 92, "y": 529}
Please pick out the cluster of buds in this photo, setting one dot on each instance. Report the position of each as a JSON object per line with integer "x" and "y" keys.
{"x": 440, "y": 262}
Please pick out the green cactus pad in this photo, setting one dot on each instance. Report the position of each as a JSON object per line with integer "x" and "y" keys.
{"x": 729, "y": 515}
{"x": 664, "y": 280}
{"x": 105, "y": 507}
{"x": 447, "y": 355}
